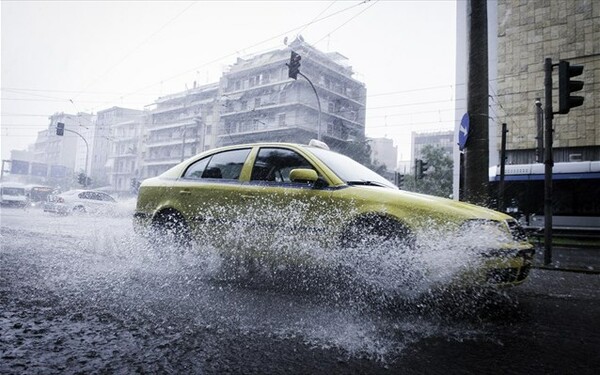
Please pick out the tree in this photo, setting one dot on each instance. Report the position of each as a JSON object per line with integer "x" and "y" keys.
{"x": 438, "y": 178}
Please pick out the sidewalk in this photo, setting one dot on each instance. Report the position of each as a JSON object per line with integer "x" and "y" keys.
{"x": 573, "y": 259}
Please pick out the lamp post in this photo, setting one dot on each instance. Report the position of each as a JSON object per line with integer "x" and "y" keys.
{"x": 87, "y": 153}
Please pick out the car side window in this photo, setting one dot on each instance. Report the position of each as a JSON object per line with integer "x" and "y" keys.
{"x": 105, "y": 197}
{"x": 196, "y": 170}
{"x": 275, "y": 164}
{"x": 225, "y": 165}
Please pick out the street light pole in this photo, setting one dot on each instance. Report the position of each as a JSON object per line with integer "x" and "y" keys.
{"x": 319, "y": 104}
{"x": 87, "y": 154}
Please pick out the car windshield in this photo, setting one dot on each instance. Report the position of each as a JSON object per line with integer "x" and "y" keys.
{"x": 349, "y": 170}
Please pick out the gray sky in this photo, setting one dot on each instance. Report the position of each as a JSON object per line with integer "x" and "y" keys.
{"x": 72, "y": 56}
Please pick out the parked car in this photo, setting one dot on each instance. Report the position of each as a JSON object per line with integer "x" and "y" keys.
{"x": 79, "y": 201}
{"x": 13, "y": 194}
{"x": 224, "y": 194}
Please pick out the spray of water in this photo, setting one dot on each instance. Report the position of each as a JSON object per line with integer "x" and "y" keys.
{"x": 273, "y": 275}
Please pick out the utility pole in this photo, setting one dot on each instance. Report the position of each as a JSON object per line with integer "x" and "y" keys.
{"x": 476, "y": 164}
{"x": 501, "y": 202}
{"x": 548, "y": 164}
{"x": 539, "y": 120}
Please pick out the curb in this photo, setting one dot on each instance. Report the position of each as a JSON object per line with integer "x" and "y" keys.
{"x": 563, "y": 269}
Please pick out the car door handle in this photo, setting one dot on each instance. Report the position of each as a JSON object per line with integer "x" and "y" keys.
{"x": 185, "y": 192}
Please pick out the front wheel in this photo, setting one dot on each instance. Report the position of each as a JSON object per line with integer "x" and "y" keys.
{"x": 376, "y": 231}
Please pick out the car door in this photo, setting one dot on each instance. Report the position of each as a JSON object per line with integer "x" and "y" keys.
{"x": 208, "y": 194}
{"x": 287, "y": 215}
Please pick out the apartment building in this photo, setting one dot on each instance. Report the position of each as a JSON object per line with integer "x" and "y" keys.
{"x": 179, "y": 126}
{"x": 261, "y": 103}
{"x": 124, "y": 159}
{"x": 101, "y": 139}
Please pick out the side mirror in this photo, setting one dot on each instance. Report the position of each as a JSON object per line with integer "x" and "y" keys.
{"x": 301, "y": 175}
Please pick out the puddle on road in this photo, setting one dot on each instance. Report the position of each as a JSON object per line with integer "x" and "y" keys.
{"x": 383, "y": 300}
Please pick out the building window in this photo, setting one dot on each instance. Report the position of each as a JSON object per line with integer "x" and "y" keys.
{"x": 251, "y": 82}
{"x": 330, "y": 107}
{"x": 238, "y": 85}
{"x": 244, "y": 105}
{"x": 208, "y": 129}
{"x": 256, "y": 102}
{"x": 281, "y": 120}
{"x": 282, "y": 97}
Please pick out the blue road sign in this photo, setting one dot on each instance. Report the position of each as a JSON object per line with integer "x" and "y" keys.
{"x": 463, "y": 132}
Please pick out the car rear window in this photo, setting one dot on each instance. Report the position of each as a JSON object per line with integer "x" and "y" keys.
{"x": 226, "y": 165}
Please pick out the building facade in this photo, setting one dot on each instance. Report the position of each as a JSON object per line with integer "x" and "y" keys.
{"x": 521, "y": 35}
{"x": 384, "y": 152}
{"x": 101, "y": 140}
{"x": 124, "y": 158}
{"x": 261, "y": 103}
{"x": 179, "y": 126}
{"x": 443, "y": 139}
{"x": 529, "y": 32}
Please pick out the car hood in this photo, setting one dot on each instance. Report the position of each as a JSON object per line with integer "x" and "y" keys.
{"x": 414, "y": 205}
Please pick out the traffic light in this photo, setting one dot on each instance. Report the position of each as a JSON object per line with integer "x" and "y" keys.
{"x": 294, "y": 65}
{"x": 60, "y": 128}
{"x": 566, "y": 86}
{"x": 420, "y": 167}
{"x": 399, "y": 179}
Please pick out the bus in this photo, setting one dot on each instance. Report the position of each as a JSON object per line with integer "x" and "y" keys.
{"x": 37, "y": 194}
{"x": 575, "y": 196}
{"x": 13, "y": 194}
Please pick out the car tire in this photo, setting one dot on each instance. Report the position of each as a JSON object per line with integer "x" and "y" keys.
{"x": 170, "y": 228}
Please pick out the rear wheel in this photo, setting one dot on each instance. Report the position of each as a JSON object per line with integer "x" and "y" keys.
{"x": 170, "y": 228}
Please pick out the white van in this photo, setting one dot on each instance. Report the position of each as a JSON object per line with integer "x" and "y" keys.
{"x": 13, "y": 194}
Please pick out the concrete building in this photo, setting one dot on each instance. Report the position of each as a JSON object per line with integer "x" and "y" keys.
{"x": 124, "y": 160}
{"x": 529, "y": 32}
{"x": 261, "y": 103}
{"x": 60, "y": 153}
{"x": 101, "y": 139}
{"x": 521, "y": 34}
{"x": 444, "y": 139}
{"x": 179, "y": 126}
{"x": 384, "y": 152}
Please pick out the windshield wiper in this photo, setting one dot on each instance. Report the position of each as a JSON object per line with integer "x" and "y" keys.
{"x": 365, "y": 183}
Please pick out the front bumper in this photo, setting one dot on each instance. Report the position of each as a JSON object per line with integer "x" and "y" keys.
{"x": 510, "y": 267}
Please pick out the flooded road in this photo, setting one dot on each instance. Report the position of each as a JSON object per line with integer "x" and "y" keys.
{"x": 85, "y": 294}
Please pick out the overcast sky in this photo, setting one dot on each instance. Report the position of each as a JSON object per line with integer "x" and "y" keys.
{"x": 85, "y": 56}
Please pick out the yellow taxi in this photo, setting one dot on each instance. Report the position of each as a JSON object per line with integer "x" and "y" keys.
{"x": 273, "y": 201}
